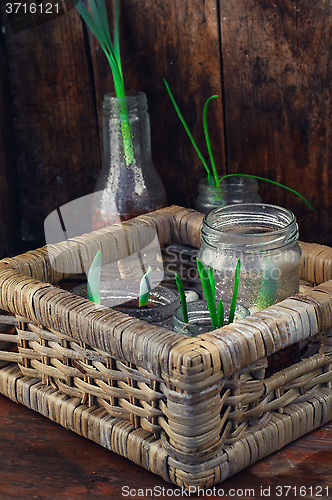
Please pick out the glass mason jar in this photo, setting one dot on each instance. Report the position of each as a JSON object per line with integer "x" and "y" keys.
{"x": 232, "y": 190}
{"x": 128, "y": 184}
{"x": 265, "y": 238}
{"x": 199, "y": 318}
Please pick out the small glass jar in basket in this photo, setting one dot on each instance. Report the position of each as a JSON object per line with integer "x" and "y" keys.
{"x": 265, "y": 238}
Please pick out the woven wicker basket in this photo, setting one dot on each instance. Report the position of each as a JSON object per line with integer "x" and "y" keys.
{"x": 193, "y": 410}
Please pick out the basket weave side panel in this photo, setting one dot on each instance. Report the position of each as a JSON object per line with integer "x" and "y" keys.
{"x": 221, "y": 374}
{"x": 144, "y": 449}
{"x": 196, "y": 400}
{"x": 316, "y": 265}
{"x": 199, "y": 409}
{"x": 268, "y": 331}
{"x": 76, "y": 318}
{"x": 239, "y": 345}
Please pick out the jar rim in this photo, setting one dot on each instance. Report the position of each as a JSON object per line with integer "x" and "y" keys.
{"x": 110, "y": 96}
{"x": 236, "y": 181}
{"x": 280, "y": 224}
{"x": 132, "y": 101}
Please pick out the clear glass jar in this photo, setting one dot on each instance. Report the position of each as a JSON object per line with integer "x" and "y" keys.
{"x": 123, "y": 297}
{"x": 199, "y": 318}
{"x": 232, "y": 190}
{"x": 128, "y": 184}
{"x": 265, "y": 238}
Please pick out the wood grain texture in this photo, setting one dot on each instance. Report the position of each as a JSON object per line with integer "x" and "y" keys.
{"x": 57, "y": 153}
{"x": 178, "y": 41}
{"x": 9, "y": 223}
{"x": 276, "y": 69}
{"x": 270, "y": 63}
{"x": 40, "y": 459}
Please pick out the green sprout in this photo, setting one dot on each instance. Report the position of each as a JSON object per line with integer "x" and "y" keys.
{"x": 98, "y": 24}
{"x": 235, "y": 290}
{"x": 93, "y": 287}
{"x": 182, "y": 298}
{"x": 145, "y": 288}
{"x": 209, "y": 289}
{"x": 189, "y": 133}
{"x": 213, "y": 178}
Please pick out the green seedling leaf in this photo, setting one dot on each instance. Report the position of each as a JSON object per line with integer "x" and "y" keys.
{"x": 210, "y": 179}
{"x": 102, "y": 13}
{"x": 220, "y": 313}
{"x": 182, "y": 294}
{"x": 145, "y": 288}
{"x": 187, "y": 128}
{"x": 95, "y": 13}
{"x": 93, "y": 287}
{"x": 98, "y": 24}
{"x": 272, "y": 182}
{"x": 116, "y": 37}
{"x": 235, "y": 290}
{"x": 212, "y": 281}
{"x": 208, "y": 292}
{"x": 207, "y": 140}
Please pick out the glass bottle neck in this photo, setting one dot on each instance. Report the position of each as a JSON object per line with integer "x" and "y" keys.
{"x": 126, "y": 131}
{"x": 133, "y": 103}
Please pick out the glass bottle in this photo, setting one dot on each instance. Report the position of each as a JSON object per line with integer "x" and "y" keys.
{"x": 128, "y": 184}
{"x": 232, "y": 190}
{"x": 264, "y": 237}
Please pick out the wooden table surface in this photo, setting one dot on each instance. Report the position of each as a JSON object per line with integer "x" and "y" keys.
{"x": 42, "y": 460}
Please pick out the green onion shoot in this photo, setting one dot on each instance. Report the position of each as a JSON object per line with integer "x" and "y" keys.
{"x": 208, "y": 143}
{"x": 209, "y": 289}
{"x": 235, "y": 290}
{"x": 272, "y": 182}
{"x": 182, "y": 298}
{"x": 93, "y": 286}
{"x": 209, "y": 292}
{"x": 145, "y": 288}
{"x": 213, "y": 178}
{"x": 189, "y": 133}
{"x": 220, "y": 313}
{"x": 98, "y": 24}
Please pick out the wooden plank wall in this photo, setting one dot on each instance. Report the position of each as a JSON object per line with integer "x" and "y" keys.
{"x": 269, "y": 62}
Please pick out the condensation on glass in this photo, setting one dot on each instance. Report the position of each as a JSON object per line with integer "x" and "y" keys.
{"x": 265, "y": 238}
{"x": 232, "y": 190}
{"x": 128, "y": 184}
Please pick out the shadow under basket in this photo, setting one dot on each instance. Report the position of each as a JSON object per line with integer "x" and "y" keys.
{"x": 193, "y": 410}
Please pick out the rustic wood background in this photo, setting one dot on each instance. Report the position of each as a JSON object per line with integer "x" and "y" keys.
{"x": 269, "y": 61}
